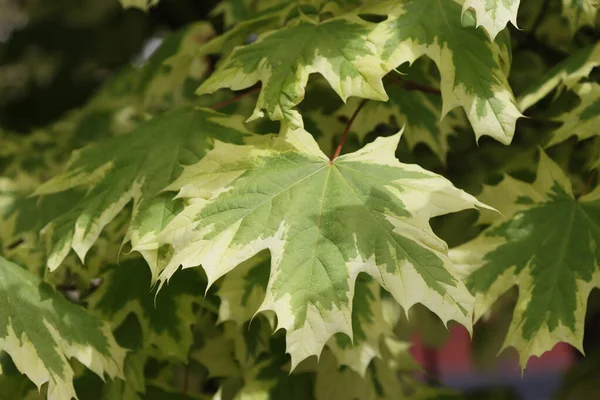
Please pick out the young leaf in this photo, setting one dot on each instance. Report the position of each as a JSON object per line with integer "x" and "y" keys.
{"x": 548, "y": 244}
{"x": 473, "y": 69}
{"x": 582, "y": 121}
{"x": 493, "y": 15}
{"x": 568, "y": 73}
{"x": 134, "y": 167}
{"x": 324, "y": 223}
{"x": 41, "y": 330}
{"x": 339, "y": 49}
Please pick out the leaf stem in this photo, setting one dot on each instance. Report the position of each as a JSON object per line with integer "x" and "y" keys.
{"x": 338, "y": 150}
{"x": 235, "y": 98}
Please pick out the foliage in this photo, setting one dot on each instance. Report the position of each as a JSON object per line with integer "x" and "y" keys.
{"x": 375, "y": 176}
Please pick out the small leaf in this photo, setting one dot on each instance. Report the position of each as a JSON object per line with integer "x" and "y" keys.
{"x": 339, "y": 49}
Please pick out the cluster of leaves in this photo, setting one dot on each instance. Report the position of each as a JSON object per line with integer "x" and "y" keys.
{"x": 302, "y": 206}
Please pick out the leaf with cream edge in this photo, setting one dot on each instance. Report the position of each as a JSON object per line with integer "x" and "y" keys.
{"x": 323, "y": 223}
{"x": 547, "y": 244}
{"x": 41, "y": 330}
{"x": 583, "y": 120}
{"x": 339, "y": 49}
{"x": 473, "y": 69}
{"x": 134, "y": 167}
{"x": 493, "y": 15}
{"x": 565, "y": 75}
{"x": 580, "y": 13}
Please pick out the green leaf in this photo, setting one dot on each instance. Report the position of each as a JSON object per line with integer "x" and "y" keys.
{"x": 41, "y": 330}
{"x": 164, "y": 318}
{"x": 473, "y": 69}
{"x": 237, "y": 11}
{"x": 134, "y": 167}
{"x": 584, "y": 119}
{"x": 494, "y": 15}
{"x": 580, "y": 13}
{"x": 566, "y": 74}
{"x": 282, "y": 60}
{"x": 323, "y": 223}
{"x": 547, "y": 244}
{"x": 141, "y": 4}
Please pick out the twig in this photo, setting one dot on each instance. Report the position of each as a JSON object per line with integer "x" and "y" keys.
{"x": 235, "y": 98}
{"x": 588, "y": 183}
{"x": 186, "y": 381}
{"x": 411, "y": 85}
{"x": 338, "y": 150}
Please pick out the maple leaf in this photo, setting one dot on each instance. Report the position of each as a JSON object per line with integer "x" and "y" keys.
{"x": 564, "y": 75}
{"x": 339, "y": 49}
{"x": 134, "y": 167}
{"x": 323, "y": 223}
{"x": 547, "y": 244}
{"x": 493, "y": 15}
{"x": 41, "y": 330}
{"x": 584, "y": 119}
{"x": 473, "y": 68}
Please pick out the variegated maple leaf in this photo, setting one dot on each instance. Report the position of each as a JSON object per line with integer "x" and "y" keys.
{"x": 473, "y": 68}
{"x": 41, "y": 330}
{"x": 547, "y": 244}
{"x": 134, "y": 167}
{"x": 565, "y": 75}
{"x": 583, "y": 120}
{"x": 282, "y": 60}
{"x": 324, "y": 223}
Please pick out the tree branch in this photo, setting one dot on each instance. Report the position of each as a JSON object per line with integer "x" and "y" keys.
{"x": 227, "y": 102}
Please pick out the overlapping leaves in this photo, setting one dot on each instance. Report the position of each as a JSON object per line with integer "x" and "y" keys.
{"x": 136, "y": 168}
